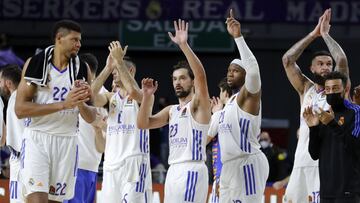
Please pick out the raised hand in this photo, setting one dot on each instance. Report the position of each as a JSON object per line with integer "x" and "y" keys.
{"x": 149, "y": 86}
{"x": 110, "y": 62}
{"x": 216, "y": 104}
{"x": 233, "y": 26}
{"x": 316, "y": 32}
{"x": 325, "y": 117}
{"x": 325, "y": 24}
{"x": 116, "y": 51}
{"x": 181, "y": 32}
{"x": 310, "y": 118}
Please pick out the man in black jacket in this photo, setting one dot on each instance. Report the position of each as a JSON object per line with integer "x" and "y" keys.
{"x": 334, "y": 140}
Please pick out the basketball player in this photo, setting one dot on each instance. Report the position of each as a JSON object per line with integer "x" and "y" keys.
{"x": 90, "y": 147}
{"x": 217, "y": 106}
{"x": 304, "y": 179}
{"x": 187, "y": 177}
{"x": 52, "y": 93}
{"x": 245, "y": 168}
{"x": 10, "y": 77}
{"x": 127, "y": 173}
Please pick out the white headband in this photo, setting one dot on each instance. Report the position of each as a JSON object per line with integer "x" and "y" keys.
{"x": 238, "y": 62}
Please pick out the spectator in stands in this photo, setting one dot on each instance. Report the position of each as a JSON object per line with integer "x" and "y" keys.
{"x": 7, "y": 56}
{"x": 276, "y": 156}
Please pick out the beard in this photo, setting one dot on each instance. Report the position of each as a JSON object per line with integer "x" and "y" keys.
{"x": 73, "y": 55}
{"x": 4, "y": 92}
{"x": 182, "y": 93}
{"x": 318, "y": 79}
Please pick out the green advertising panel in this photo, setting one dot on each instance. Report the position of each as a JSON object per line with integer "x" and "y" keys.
{"x": 207, "y": 36}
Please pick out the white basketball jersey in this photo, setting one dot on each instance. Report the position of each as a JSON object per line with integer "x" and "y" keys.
{"x": 89, "y": 157}
{"x": 14, "y": 126}
{"x": 316, "y": 100}
{"x": 123, "y": 138}
{"x": 187, "y": 138}
{"x": 62, "y": 123}
{"x": 238, "y": 131}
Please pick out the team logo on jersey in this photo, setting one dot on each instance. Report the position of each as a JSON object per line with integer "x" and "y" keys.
{"x": 31, "y": 181}
{"x": 112, "y": 105}
{"x": 341, "y": 121}
{"x": 183, "y": 113}
{"x": 323, "y": 96}
{"x": 39, "y": 184}
{"x": 52, "y": 190}
{"x": 129, "y": 102}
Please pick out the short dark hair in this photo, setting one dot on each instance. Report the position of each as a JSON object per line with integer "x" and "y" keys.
{"x": 321, "y": 53}
{"x": 11, "y": 72}
{"x": 225, "y": 86}
{"x": 68, "y": 25}
{"x": 91, "y": 60}
{"x": 185, "y": 65}
{"x": 337, "y": 75}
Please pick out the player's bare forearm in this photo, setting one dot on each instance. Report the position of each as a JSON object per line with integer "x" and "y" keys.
{"x": 293, "y": 72}
{"x": 145, "y": 110}
{"x": 129, "y": 82}
{"x": 100, "y": 80}
{"x": 338, "y": 54}
{"x": 100, "y": 140}
{"x": 201, "y": 87}
{"x": 293, "y": 54}
{"x": 25, "y": 109}
{"x": 88, "y": 113}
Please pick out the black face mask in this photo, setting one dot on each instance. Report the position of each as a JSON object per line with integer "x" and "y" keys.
{"x": 335, "y": 100}
{"x": 318, "y": 79}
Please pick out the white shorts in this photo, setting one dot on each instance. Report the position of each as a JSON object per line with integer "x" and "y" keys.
{"x": 14, "y": 184}
{"x": 186, "y": 182}
{"x": 304, "y": 185}
{"x": 48, "y": 164}
{"x": 244, "y": 180}
{"x": 131, "y": 182}
{"x": 213, "y": 197}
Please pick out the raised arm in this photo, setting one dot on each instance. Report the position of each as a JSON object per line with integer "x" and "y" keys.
{"x": 297, "y": 79}
{"x": 250, "y": 92}
{"x": 101, "y": 99}
{"x": 144, "y": 119}
{"x": 126, "y": 78}
{"x": 335, "y": 49}
{"x": 200, "y": 101}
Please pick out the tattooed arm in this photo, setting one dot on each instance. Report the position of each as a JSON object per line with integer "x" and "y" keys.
{"x": 299, "y": 81}
{"x": 336, "y": 51}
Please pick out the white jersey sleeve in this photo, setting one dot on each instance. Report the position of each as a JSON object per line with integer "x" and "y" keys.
{"x": 214, "y": 124}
